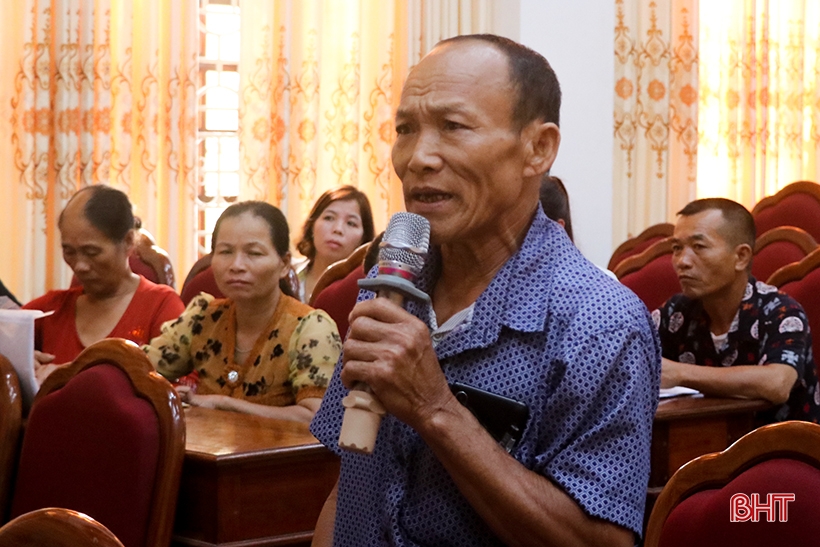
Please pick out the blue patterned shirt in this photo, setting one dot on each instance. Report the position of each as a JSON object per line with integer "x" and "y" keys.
{"x": 553, "y": 331}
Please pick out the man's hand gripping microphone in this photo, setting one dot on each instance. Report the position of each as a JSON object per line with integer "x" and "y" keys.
{"x": 401, "y": 257}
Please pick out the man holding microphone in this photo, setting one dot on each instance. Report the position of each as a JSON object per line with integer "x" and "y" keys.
{"x": 515, "y": 311}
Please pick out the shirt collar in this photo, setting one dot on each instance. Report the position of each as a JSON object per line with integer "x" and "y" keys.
{"x": 505, "y": 302}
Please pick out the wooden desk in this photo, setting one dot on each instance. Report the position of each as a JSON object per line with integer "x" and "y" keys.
{"x": 250, "y": 481}
{"x": 689, "y": 426}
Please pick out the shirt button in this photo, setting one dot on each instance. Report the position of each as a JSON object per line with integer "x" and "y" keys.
{"x": 233, "y": 376}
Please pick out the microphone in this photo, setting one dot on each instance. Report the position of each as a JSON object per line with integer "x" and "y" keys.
{"x": 401, "y": 257}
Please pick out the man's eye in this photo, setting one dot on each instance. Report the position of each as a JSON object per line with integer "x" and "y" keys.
{"x": 450, "y": 125}
{"x": 402, "y": 129}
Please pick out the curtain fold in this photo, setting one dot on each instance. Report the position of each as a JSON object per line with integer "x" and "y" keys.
{"x": 105, "y": 91}
{"x": 759, "y": 119}
{"x": 100, "y": 91}
{"x": 655, "y": 117}
{"x": 317, "y": 102}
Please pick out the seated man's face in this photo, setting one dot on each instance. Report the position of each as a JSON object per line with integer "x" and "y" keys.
{"x": 705, "y": 262}
{"x": 457, "y": 152}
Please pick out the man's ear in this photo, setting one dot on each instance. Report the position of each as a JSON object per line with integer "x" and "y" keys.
{"x": 542, "y": 141}
{"x": 743, "y": 254}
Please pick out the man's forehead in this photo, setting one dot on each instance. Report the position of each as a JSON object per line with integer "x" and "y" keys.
{"x": 452, "y": 70}
{"x": 708, "y": 224}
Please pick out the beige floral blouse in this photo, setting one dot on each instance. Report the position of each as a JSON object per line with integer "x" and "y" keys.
{"x": 292, "y": 360}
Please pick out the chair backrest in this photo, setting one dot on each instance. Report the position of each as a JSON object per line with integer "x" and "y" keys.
{"x": 56, "y": 527}
{"x": 650, "y": 274}
{"x": 105, "y": 436}
{"x": 695, "y": 506}
{"x": 801, "y": 281}
{"x": 797, "y": 204}
{"x": 339, "y": 270}
{"x": 11, "y": 418}
{"x": 639, "y": 243}
{"x": 151, "y": 261}
{"x": 778, "y": 247}
{"x": 203, "y": 281}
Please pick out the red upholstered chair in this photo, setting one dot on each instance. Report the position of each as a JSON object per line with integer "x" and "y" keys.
{"x": 106, "y": 437}
{"x": 56, "y": 527}
{"x": 778, "y": 247}
{"x": 203, "y": 281}
{"x": 801, "y": 281}
{"x": 782, "y": 458}
{"x": 640, "y": 243}
{"x": 339, "y": 270}
{"x": 338, "y": 298}
{"x": 11, "y": 417}
{"x": 650, "y": 274}
{"x": 151, "y": 261}
{"x": 797, "y": 204}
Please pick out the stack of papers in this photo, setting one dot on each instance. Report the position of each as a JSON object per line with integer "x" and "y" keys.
{"x": 677, "y": 391}
{"x": 17, "y": 345}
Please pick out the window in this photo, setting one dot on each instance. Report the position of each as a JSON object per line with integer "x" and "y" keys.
{"x": 217, "y": 115}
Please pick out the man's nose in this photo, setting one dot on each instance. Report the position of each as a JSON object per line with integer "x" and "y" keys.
{"x": 425, "y": 154}
{"x": 682, "y": 260}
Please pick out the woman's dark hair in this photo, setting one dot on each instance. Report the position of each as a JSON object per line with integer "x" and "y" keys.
{"x": 555, "y": 201}
{"x": 278, "y": 225}
{"x": 108, "y": 210}
{"x": 343, "y": 193}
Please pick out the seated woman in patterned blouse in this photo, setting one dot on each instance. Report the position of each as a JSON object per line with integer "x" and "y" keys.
{"x": 259, "y": 350}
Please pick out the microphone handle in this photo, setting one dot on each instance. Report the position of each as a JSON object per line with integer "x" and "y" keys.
{"x": 363, "y": 411}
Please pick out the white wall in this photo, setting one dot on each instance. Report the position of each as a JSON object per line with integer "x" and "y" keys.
{"x": 577, "y": 38}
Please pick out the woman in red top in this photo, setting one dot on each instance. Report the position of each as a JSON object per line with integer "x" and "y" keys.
{"x": 97, "y": 234}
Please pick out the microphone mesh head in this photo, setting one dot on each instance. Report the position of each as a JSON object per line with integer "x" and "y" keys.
{"x": 406, "y": 241}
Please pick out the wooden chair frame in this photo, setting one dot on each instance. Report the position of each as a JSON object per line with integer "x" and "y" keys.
{"x": 338, "y": 270}
{"x": 800, "y": 237}
{"x": 155, "y": 389}
{"x": 799, "y": 187}
{"x": 638, "y": 261}
{"x": 156, "y": 257}
{"x": 795, "y": 271}
{"x": 795, "y": 440}
{"x": 11, "y": 423}
{"x": 664, "y": 230}
{"x": 56, "y": 527}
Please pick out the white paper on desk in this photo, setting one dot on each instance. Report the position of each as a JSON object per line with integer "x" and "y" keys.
{"x": 17, "y": 344}
{"x": 677, "y": 391}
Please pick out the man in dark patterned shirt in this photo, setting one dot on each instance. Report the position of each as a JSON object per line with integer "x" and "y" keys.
{"x": 728, "y": 334}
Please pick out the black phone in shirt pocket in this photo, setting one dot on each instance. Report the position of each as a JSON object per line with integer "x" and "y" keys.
{"x": 503, "y": 418}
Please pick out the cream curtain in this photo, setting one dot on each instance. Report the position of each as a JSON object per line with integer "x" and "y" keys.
{"x": 759, "y": 117}
{"x": 105, "y": 91}
{"x": 317, "y": 102}
{"x": 94, "y": 91}
{"x": 655, "y": 117}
